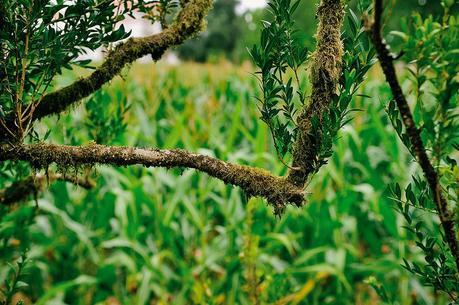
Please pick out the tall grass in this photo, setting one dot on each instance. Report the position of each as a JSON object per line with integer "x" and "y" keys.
{"x": 157, "y": 236}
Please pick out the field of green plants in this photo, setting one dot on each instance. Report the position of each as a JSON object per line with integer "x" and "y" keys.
{"x": 157, "y": 236}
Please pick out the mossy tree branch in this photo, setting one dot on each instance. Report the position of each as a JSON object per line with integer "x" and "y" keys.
{"x": 278, "y": 191}
{"x": 32, "y": 185}
{"x": 254, "y": 181}
{"x": 325, "y": 73}
{"x": 188, "y": 22}
{"x": 414, "y": 134}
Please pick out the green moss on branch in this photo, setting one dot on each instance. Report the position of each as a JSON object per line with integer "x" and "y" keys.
{"x": 254, "y": 181}
{"x": 325, "y": 73}
{"x": 189, "y": 22}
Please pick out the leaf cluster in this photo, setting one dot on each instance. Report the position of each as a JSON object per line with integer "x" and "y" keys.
{"x": 279, "y": 56}
{"x": 430, "y": 47}
{"x": 15, "y": 281}
{"x": 438, "y": 269}
{"x": 39, "y": 38}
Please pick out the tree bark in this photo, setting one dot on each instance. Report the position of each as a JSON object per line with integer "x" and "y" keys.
{"x": 254, "y": 181}
{"x": 414, "y": 134}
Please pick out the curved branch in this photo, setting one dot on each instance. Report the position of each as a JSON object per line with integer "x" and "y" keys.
{"x": 325, "y": 73}
{"x": 414, "y": 134}
{"x": 254, "y": 181}
{"x": 21, "y": 190}
{"x": 188, "y": 22}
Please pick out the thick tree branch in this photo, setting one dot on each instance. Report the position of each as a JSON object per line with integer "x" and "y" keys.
{"x": 387, "y": 65}
{"x": 325, "y": 73}
{"x": 23, "y": 189}
{"x": 188, "y": 22}
{"x": 254, "y": 181}
{"x": 278, "y": 191}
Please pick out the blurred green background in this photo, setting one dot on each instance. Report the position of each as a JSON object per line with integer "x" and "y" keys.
{"x": 229, "y": 34}
{"x": 157, "y": 236}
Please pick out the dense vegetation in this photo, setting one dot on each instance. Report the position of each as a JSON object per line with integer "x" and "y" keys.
{"x": 369, "y": 231}
{"x": 172, "y": 236}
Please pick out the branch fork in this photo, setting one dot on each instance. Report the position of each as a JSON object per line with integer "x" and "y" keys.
{"x": 279, "y": 191}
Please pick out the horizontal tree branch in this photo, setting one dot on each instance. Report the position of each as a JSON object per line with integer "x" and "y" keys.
{"x": 188, "y": 22}
{"x": 253, "y": 181}
{"x": 414, "y": 134}
{"x": 23, "y": 189}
